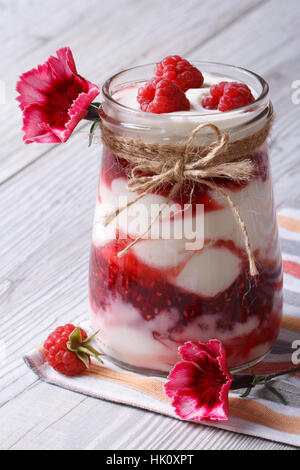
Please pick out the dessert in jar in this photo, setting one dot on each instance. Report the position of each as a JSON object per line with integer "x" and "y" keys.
{"x": 160, "y": 294}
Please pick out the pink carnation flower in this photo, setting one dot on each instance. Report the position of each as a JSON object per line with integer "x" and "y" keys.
{"x": 200, "y": 383}
{"x": 54, "y": 98}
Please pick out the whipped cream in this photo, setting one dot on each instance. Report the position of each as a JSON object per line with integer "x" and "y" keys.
{"x": 177, "y": 126}
{"x": 123, "y": 332}
{"x": 128, "y": 96}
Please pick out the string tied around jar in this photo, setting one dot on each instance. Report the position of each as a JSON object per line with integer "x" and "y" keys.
{"x": 157, "y": 165}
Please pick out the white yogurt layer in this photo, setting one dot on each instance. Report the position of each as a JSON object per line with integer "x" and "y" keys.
{"x": 206, "y": 272}
{"x": 126, "y": 336}
{"x": 128, "y": 96}
{"x": 178, "y": 125}
{"x": 209, "y": 272}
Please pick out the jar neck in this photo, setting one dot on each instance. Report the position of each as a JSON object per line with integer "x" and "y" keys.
{"x": 176, "y": 128}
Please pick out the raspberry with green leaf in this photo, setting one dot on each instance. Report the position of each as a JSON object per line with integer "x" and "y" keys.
{"x": 68, "y": 350}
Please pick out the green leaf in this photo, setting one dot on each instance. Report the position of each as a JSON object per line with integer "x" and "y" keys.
{"x": 84, "y": 358}
{"x": 94, "y": 351}
{"x": 89, "y": 351}
{"x": 246, "y": 393}
{"x": 278, "y": 374}
{"x": 92, "y": 131}
{"x": 276, "y": 393}
{"x": 88, "y": 339}
{"x": 82, "y": 348}
{"x": 75, "y": 336}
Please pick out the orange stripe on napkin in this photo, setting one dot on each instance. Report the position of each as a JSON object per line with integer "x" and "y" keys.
{"x": 290, "y": 323}
{"x": 290, "y": 224}
{"x": 240, "y": 408}
{"x": 147, "y": 385}
{"x": 261, "y": 414}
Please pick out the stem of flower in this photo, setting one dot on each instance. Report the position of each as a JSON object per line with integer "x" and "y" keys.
{"x": 246, "y": 393}
{"x": 92, "y": 131}
{"x": 278, "y": 374}
{"x": 93, "y": 112}
{"x": 250, "y": 381}
{"x": 241, "y": 381}
{"x": 276, "y": 393}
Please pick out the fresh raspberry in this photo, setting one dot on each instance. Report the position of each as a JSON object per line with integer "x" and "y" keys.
{"x": 217, "y": 90}
{"x": 179, "y": 71}
{"x": 235, "y": 95}
{"x": 161, "y": 95}
{"x": 209, "y": 102}
{"x": 67, "y": 350}
{"x": 226, "y": 96}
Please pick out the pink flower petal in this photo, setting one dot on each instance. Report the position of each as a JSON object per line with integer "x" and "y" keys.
{"x": 54, "y": 98}
{"x": 35, "y": 130}
{"x": 33, "y": 86}
{"x": 189, "y": 407}
{"x": 182, "y": 376}
{"x": 64, "y": 64}
{"x": 199, "y": 385}
{"x": 192, "y": 350}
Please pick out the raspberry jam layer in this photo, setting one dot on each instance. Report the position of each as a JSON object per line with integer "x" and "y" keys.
{"x": 149, "y": 292}
{"x": 132, "y": 281}
{"x": 149, "y": 302}
{"x": 115, "y": 168}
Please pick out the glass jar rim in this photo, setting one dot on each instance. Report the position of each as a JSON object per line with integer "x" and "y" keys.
{"x": 261, "y": 99}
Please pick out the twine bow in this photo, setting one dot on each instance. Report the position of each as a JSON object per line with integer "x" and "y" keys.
{"x": 189, "y": 166}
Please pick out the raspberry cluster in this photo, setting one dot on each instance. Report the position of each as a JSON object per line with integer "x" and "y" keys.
{"x": 165, "y": 93}
{"x": 161, "y": 95}
{"x": 225, "y": 96}
{"x": 179, "y": 71}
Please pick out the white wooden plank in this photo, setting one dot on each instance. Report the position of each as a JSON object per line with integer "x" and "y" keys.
{"x": 65, "y": 420}
{"x": 109, "y": 36}
{"x": 267, "y": 41}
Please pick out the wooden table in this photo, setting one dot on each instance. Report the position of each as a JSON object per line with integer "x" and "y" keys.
{"x": 47, "y": 193}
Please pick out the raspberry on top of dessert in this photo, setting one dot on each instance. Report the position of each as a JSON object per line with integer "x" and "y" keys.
{"x": 174, "y": 76}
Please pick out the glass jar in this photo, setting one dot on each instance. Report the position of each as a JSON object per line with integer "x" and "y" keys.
{"x": 160, "y": 294}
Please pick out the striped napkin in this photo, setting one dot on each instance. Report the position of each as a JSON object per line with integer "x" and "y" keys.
{"x": 261, "y": 414}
